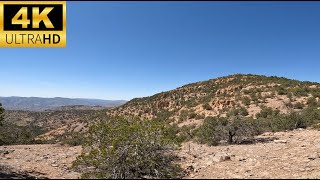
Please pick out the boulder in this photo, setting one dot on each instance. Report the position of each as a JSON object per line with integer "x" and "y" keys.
{"x": 220, "y": 157}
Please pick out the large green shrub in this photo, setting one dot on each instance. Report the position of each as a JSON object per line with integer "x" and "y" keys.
{"x": 210, "y": 131}
{"x": 232, "y": 129}
{"x": 128, "y": 148}
{"x": 267, "y": 111}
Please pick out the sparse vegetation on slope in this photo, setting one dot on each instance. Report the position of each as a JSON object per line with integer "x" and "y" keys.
{"x": 239, "y": 129}
{"x": 216, "y": 97}
{"x": 26, "y": 127}
{"x": 11, "y": 134}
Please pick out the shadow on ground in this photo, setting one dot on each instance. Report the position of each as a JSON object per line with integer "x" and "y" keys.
{"x": 7, "y": 173}
{"x": 15, "y": 176}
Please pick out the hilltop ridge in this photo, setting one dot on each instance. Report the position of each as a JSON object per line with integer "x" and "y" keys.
{"x": 220, "y": 96}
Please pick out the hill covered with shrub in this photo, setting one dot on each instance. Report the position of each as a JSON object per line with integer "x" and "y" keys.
{"x": 240, "y": 94}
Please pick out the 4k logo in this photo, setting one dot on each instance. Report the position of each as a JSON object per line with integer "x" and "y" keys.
{"x": 33, "y": 24}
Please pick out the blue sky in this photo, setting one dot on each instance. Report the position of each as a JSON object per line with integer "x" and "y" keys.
{"x": 122, "y": 50}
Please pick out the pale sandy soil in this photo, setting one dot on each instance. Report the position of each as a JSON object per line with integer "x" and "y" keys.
{"x": 294, "y": 154}
{"x": 49, "y": 161}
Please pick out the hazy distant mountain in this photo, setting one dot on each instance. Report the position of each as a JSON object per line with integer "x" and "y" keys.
{"x": 39, "y": 104}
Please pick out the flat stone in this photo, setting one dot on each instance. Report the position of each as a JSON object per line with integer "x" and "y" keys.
{"x": 220, "y": 157}
{"x": 280, "y": 141}
{"x": 313, "y": 156}
{"x": 54, "y": 165}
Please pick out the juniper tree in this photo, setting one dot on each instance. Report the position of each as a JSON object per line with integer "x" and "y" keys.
{"x": 121, "y": 148}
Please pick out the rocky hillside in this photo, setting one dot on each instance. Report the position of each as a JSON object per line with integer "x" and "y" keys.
{"x": 186, "y": 105}
{"x": 27, "y": 126}
{"x": 220, "y": 96}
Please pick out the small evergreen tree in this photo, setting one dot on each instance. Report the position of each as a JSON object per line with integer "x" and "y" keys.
{"x": 246, "y": 100}
{"x": 207, "y": 106}
{"x": 1, "y": 114}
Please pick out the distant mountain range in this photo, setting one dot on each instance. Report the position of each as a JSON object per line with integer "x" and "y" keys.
{"x": 40, "y": 104}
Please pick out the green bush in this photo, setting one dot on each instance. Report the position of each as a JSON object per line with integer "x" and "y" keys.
{"x": 185, "y": 134}
{"x": 311, "y": 116}
{"x": 184, "y": 114}
{"x": 287, "y": 122}
{"x": 72, "y": 138}
{"x": 206, "y": 106}
{"x": 243, "y": 111}
{"x": 246, "y": 100}
{"x": 192, "y": 115}
{"x": 301, "y": 91}
{"x": 254, "y": 98}
{"x": 128, "y": 148}
{"x": 1, "y": 114}
{"x": 200, "y": 116}
{"x": 311, "y": 101}
{"x": 210, "y": 132}
{"x": 233, "y": 130}
{"x": 298, "y": 105}
{"x": 11, "y": 134}
{"x": 282, "y": 122}
{"x": 316, "y": 93}
{"x": 282, "y": 91}
{"x": 289, "y": 95}
{"x": 267, "y": 111}
{"x": 239, "y": 129}
{"x": 238, "y": 111}
{"x": 164, "y": 115}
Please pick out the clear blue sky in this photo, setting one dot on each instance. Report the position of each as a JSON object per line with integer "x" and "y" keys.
{"x": 122, "y": 50}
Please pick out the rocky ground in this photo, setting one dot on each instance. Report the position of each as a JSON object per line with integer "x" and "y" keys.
{"x": 40, "y": 161}
{"x": 294, "y": 154}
